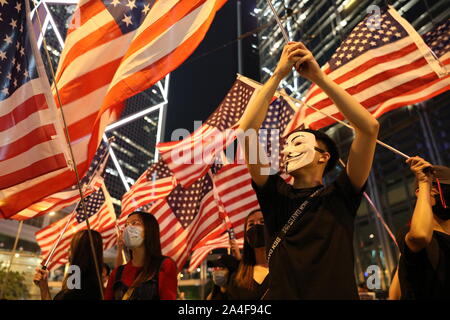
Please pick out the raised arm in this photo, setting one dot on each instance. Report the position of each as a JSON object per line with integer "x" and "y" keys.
{"x": 395, "y": 292}
{"x": 422, "y": 223}
{"x": 256, "y": 112}
{"x": 365, "y": 125}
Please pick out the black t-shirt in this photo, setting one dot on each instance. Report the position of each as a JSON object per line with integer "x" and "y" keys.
{"x": 425, "y": 274}
{"x": 315, "y": 260}
{"x": 90, "y": 293}
{"x": 236, "y": 292}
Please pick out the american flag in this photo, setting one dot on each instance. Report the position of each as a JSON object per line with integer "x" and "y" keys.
{"x": 201, "y": 252}
{"x": 102, "y": 218}
{"x": 185, "y": 216}
{"x": 190, "y": 216}
{"x": 90, "y": 183}
{"x": 32, "y": 141}
{"x": 438, "y": 40}
{"x": 238, "y": 198}
{"x": 114, "y": 50}
{"x": 374, "y": 65}
{"x": 191, "y": 158}
{"x": 155, "y": 183}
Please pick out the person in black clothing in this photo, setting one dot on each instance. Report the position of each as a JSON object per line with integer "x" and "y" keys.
{"x": 424, "y": 266}
{"x": 224, "y": 267}
{"x": 314, "y": 260}
{"x": 80, "y": 255}
{"x": 251, "y": 280}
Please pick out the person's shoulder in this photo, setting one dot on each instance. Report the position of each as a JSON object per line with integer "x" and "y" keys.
{"x": 168, "y": 264}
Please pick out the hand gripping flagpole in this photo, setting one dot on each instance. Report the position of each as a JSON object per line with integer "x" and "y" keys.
{"x": 286, "y": 39}
{"x": 73, "y": 162}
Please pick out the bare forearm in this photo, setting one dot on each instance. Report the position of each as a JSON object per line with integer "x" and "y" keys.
{"x": 394, "y": 289}
{"x": 421, "y": 230}
{"x": 256, "y": 112}
{"x": 45, "y": 293}
{"x": 353, "y": 111}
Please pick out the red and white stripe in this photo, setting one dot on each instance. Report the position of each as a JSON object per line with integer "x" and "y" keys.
{"x": 143, "y": 192}
{"x": 238, "y": 199}
{"x": 100, "y": 68}
{"x": 233, "y": 183}
{"x": 177, "y": 241}
{"x": 171, "y": 31}
{"x": 201, "y": 252}
{"x": 32, "y": 141}
{"x": 419, "y": 94}
{"x": 57, "y": 201}
{"x": 375, "y": 79}
{"x": 104, "y": 221}
{"x": 191, "y": 158}
{"x": 63, "y": 199}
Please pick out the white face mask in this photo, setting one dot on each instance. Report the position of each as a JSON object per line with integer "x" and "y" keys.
{"x": 132, "y": 237}
{"x": 299, "y": 150}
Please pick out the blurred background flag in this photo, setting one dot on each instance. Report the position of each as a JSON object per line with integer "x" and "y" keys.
{"x": 102, "y": 218}
{"x": 90, "y": 183}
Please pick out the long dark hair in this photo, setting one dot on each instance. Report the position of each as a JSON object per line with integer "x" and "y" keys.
{"x": 152, "y": 246}
{"x": 244, "y": 274}
{"x": 81, "y": 256}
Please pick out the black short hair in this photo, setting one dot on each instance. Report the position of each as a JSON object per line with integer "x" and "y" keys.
{"x": 331, "y": 147}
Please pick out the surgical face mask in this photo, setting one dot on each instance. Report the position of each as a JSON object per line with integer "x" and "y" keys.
{"x": 132, "y": 237}
{"x": 299, "y": 150}
{"x": 255, "y": 236}
{"x": 220, "y": 277}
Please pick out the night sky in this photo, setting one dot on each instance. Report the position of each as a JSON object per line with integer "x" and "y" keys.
{"x": 198, "y": 86}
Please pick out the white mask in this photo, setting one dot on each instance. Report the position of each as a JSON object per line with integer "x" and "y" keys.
{"x": 132, "y": 237}
{"x": 299, "y": 150}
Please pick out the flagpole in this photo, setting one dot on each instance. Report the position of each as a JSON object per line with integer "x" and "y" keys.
{"x": 50, "y": 256}
{"x": 283, "y": 31}
{"x": 74, "y": 164}
{"x": 122, "y": 251}
{"x": 101, "y": 162}
{"x": 381, "y": 143}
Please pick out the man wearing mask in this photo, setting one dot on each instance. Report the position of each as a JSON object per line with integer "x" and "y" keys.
{"x": 424, "y": 266}
{"x": 223, "y": 268}
{"x": 310, "y": 226}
